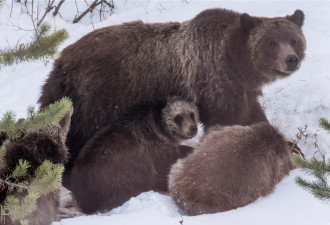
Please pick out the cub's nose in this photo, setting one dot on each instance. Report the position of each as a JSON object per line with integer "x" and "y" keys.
{"x": 291, "y": 62}
{"x": 193, "y": 130}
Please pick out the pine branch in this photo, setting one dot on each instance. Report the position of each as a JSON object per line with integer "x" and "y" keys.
{"x": 324, "y": 123}
{"x": 48, "y": 177}
{"x": 320, "y": 190}
{"x": 313, "y": 167}
{"x": 21, "y": 169}
{"x": 50, "y": 115}
{"x": 42, "y": 31}
{"x": 31, "y": 111}
{"x": 7, "y": 124}
{"x": 18, "y": 209}
{"x": 41, "y": 47}
{"x": 320, "y": 170}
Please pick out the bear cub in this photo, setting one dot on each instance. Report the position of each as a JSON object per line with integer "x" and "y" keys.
{"x": 134, "y": 155}
{"x": 35, "y": 147}
{"x": 230, "y": 168}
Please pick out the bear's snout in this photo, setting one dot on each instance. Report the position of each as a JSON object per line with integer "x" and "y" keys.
{"x": 292, "y": 62}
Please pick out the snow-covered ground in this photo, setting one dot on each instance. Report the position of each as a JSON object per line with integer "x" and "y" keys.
{"x": 290, "y": 103}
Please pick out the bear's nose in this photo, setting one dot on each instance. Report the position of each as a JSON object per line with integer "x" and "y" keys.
{"x": 193, "y": 130}
{"x": 291, "y": 62}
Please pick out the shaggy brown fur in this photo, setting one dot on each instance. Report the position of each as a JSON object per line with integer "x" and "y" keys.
{"x": 220, "y": 59}
{"x": 133, "y": 156}
{"x": 35, "y": 147}
{"x": 231, "y": 167}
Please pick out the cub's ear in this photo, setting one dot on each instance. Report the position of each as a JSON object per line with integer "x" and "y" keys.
{"x": 65, "y": 124}
{"x": 297, "y": 18}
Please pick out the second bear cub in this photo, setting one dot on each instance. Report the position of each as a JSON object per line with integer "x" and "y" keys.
{"x": 133, "y": 156}
{"x": 231, "y": 167}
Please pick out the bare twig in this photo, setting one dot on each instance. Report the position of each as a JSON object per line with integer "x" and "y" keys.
{"x": 103, "y": 8}
{"x": 89, "y": 9}
{"x": 303, "y": 132}
{"x": 11, "y": 8}
{"x": 316, "y": 146}
{"x": 48, "y": 9}
{"x": 58, "y": 7}
{"x": 13, "y": 184}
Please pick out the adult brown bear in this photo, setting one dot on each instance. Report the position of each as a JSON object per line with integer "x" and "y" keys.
{"x": 220, "y": 59}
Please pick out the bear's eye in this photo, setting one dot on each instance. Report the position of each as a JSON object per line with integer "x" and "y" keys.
{"x": 273, "y": 44}
{"x": 192, "y": 116}
{"x": 178, "y": 120}
{"x": 293, "y": 42}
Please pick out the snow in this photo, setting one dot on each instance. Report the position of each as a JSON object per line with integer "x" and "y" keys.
{"x": 290, "y": 103}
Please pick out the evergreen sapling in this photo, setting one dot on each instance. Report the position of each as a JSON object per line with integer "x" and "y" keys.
{"x": 318, "y": 169}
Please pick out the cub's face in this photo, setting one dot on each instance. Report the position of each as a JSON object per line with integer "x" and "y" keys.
{"x": 35, "y": 147}
{"x": 278, "y": 46}
{"x": 181, "y": 119}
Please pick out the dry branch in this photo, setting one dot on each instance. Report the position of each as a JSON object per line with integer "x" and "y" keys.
{"x": 91, "y": 8}
{"x": 49, "y": 7}
{"x": 58, "y": 7}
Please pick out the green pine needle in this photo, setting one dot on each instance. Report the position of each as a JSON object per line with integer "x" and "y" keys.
{"x": 21, "y": 169}
{"x": 50, "y": 115}
{"x": 42, "y": 47}
{"x": 19, "y": 209}
{"x": 7, "y": 124}
{"x": 324, "y": 123}
{"x": 24, "y": 222}
{"x": 42, "y": 31}
{"x": 31, "y": 111}
{"x": 48, "y": 177}
{"x": 320, "y": 170}
{"x": 320, "y": 190}
{"x": 2, "y": 151}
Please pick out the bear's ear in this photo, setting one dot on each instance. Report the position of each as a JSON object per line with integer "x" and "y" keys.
{"x": 297, "y": 18}
{"x": 247, "y": 22}
{"x": 65, "y": 124}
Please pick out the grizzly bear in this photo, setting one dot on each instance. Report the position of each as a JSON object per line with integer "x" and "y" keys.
{"x": 35, "y": 147}
{"x": 132, "y": 156}
{"x": 230, "y": 168}
{"x": 220, "y": 59}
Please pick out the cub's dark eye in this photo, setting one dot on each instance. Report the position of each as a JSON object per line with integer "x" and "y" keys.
{"x": 192, "y": 116}
{"x": 178, "y": 120}
{"x": 293, "y": 42}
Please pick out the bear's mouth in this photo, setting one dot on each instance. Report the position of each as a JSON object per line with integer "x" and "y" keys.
{"x": 282, "y": 72}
